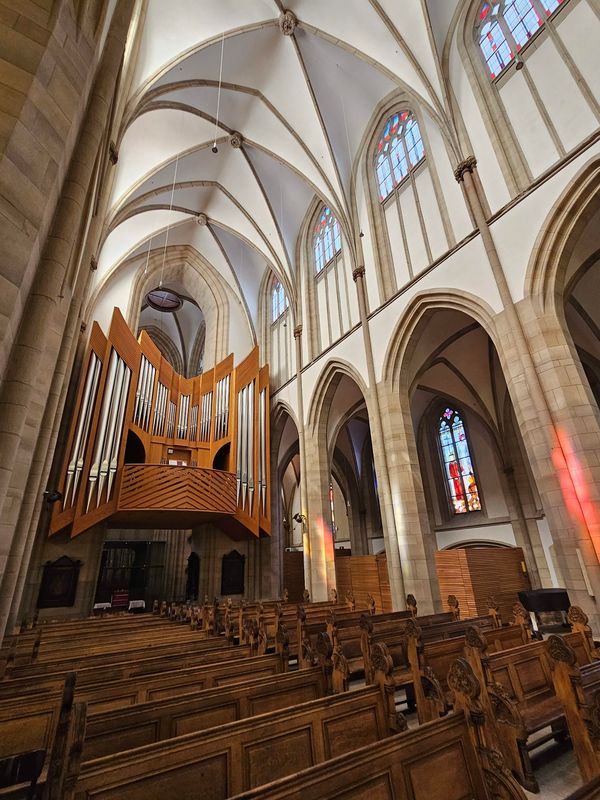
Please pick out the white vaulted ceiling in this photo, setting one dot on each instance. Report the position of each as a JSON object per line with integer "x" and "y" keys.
{"x": 302, "y": 103}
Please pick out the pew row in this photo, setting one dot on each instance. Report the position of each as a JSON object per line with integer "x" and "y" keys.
{"x": 105, "y": 696}
{"x": 228, "y": 759}
{"x": 145, "y": 723}
{"x": 437, "y": 761}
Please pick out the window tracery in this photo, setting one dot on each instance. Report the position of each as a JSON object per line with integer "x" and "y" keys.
{"x": 458, "y": 466}
{"x": 279, "y": 301}
{"x": 399, "y": 150}
{"x": 505, "y": 27}
{"x": 327, "y": 241}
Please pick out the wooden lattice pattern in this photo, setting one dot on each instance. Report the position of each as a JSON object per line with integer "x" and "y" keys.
{"x": 145, "y": 487}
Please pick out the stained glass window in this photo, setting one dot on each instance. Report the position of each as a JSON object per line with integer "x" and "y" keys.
{"x": 327, "y": 241}
{"x": 458, "y": 467}
{"x": 504, "y": 27}
{"x": 399, "y": 149}
{"x": 279, "y": 301}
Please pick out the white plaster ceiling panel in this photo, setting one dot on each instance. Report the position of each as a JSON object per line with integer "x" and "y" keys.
{"x": 230, "y": 169}
{"x": 359, "y": 27}
{"x": 154, "y": 138}
{"x": 258, "y": 124}
{"x": 248, "y": 266}
{"x": 470, "y": 354}
{"x": 347, "y": 91}
{"x": 410, "y": 20}
{"x": 176, "y": 26}
{"x": 288, "y": 195}
{"x": 440, "y": 16}
{"x": 127, "y": 236}
{"x": 277, "y": 75}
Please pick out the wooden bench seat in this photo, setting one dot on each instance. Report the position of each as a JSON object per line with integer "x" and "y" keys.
{"x": 519, "y": 682}
{"x": 34, "y": 744}
{"x": 228, "y": 759}
{"x": 132, "y": 688}
{"x": 112, "y": 731}
{"x": 437, "y": 761}
{"x": 577, "y": 688}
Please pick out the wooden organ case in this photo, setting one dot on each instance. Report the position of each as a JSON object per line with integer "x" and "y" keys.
{"x": 148, "y": 448}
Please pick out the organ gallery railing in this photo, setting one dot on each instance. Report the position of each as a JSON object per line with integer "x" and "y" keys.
{"x": 145, "y": 439}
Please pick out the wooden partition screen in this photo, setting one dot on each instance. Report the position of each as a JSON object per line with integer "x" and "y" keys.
{"x": 474, "y": 573}
{"x": 150, "y": 448}
{"x": 364, "y": 575}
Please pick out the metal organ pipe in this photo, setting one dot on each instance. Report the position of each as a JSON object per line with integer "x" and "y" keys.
{"x": 114, "y": 450}
{"x": 108, "y": 390}
{"x": 262, "y": 464}
{"x": 238, "y": 460}
{"x": 251, "y": 445}
{"x": 108, "y": 439}
{"x": 82, "y": 423}
{"x": 244, "y": 445}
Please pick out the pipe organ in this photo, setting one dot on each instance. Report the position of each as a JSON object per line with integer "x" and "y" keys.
{"x": 150, "y": 448}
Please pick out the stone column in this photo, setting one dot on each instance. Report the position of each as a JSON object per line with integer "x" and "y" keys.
{"x": 306, "y": 538}
{"x": 415, "y": 540}
{"x": 33, "y": 358}
{"x": 317, "y": 529}
{"x": 380, "y": 457}
{"x": 547, "y": 395}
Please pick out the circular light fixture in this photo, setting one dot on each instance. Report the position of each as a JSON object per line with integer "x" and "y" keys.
{"x": 164, "y": 300}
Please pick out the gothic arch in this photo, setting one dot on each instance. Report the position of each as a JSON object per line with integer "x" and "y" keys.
{"x": 422, "y": 305}
{"x": 545, "y": 279}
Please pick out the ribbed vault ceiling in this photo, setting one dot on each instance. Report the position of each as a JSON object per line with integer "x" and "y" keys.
{"x": 303, "y": 105}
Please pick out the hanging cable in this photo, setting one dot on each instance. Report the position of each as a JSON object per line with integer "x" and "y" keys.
{"x": 148, "y": 256}
{"x": 215, "y": 149}
{"x": 361, "y": 234}
{"x": 162, "y": 271}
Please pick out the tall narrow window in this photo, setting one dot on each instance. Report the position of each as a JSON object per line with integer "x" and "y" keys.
{"x": 279, "y": 301}
{"x": 327, "y": 241}
{"x": 504, "y": 27}
{"x": 458, "y": 467}
{"x": 399, "y": 150}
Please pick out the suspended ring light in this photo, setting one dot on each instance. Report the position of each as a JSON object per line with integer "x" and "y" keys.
{"x": 164, "y": 300}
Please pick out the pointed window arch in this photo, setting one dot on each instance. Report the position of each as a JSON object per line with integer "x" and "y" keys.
{"x": 503, "y": 28}
{"x": 399, "y": 150}
{"x": 279, "y": 301}
{"x": 327, "y": 240}
{"x": 458, "y": 466}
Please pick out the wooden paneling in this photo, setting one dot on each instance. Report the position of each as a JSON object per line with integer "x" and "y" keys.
{"x": 147, "y": 486}
{"x": 474, "y": 573}
{"x": 364, "y": 575}
{"x": 293, "y": 575}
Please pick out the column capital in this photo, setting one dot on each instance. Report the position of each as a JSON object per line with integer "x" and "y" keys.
{"x": 297, "y": 331}
{"x": 357, "y": 273}
{"x": 468, "y": 165}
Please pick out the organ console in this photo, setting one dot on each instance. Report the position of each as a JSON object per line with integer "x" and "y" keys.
{"x": 150, "y": 448}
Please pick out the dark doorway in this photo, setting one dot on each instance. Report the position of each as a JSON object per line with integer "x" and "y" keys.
{"x": 132, "y": 571}
{"x": 232, "y": 573}
{"x": 193, "y": 577}
{"x": 221, "y": 459}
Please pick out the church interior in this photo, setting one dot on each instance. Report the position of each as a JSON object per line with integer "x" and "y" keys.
{"x": 300, "y": 399}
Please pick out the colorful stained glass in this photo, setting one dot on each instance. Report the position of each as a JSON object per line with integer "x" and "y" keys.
{"x": 279, "y": 301}
{"x": 458, "y": 467}
{"x": 399, "y": 149}
{"x": 504, "y": 28}
{"x": 327, "y": 241}
{"x": 550, "y": 6}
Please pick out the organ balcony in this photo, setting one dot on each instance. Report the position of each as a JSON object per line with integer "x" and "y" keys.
{"x": 150, "y": 448}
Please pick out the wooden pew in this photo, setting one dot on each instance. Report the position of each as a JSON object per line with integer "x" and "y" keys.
{"x": 148, "y": 664}
{"x": 578, "y": 689}
{"x": 34, "y": 745}
{"x": 124, "y": 694}
{"x": 519, "y": 681}
{"x": 437, "y": 761}
{"x": 228, "y": 759}
{"x": 591, "y": 791}
{"x": 113, "y": 731}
